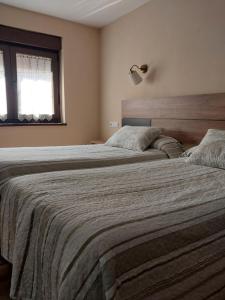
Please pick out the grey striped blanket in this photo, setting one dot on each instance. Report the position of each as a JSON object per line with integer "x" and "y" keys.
{"x": 29, "y": 160}
{"x": 142, "y": 231}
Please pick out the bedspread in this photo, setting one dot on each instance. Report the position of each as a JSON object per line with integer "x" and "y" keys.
{"x": 30, "y": 160}
{"x": 141, "y": 231}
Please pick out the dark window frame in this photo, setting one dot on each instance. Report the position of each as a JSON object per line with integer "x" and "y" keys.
{"x": 26, "y": 42}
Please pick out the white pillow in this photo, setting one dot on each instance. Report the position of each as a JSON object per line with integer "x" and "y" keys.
{"x": 213, "y": 135}
{"x": 189, "y": 152}
{"x": 210, "y": 155}
{"x": 137, "y": 138}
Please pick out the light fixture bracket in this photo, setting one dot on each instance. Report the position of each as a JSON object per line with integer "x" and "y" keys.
{"x": 144, "y": 68}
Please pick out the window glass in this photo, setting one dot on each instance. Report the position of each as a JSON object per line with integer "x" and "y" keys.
{"x": 3, "y": 101}
{"x": 34, "y": 87}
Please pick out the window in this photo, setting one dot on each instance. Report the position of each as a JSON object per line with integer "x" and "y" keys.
{"x": 3, "y": 101}
{"x": 29, "y": 78}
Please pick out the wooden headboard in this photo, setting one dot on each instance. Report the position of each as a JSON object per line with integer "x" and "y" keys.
{"x": 186, "y": 118}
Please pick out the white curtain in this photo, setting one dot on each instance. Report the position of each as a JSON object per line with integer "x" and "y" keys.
{"x": 35, "y": 87}
{"x": 3, "y": 101}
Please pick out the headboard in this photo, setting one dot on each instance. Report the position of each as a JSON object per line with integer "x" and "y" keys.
{"x": 186, "y": 118}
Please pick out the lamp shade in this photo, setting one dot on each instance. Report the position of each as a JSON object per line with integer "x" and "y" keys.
{"x": 136, "y": 78}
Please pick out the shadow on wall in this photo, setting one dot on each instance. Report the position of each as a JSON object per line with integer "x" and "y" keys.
{"x": 153, "y": 74}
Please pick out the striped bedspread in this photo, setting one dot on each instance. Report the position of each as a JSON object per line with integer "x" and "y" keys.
{"x": 142, "y": 231}
{"x": 30, "y": 160}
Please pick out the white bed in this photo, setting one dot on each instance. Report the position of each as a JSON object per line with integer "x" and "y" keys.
{"x": 21, "y": 161}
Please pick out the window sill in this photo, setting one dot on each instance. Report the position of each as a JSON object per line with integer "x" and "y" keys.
{"x": 32, "y": 124}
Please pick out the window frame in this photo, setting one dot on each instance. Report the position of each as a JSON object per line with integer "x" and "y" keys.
{"x": 10, "y": 49}
{"x": 7, "y": 69}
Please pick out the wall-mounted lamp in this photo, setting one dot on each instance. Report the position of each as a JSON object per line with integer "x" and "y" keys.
{"x": 134, "y": 75}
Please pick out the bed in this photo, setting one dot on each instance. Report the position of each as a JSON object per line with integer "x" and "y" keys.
{"x": 181, "y": 117}
{"x": 132, "y": 231}
{"x": 21, "y": 161}
{"x": 150, "y": 230}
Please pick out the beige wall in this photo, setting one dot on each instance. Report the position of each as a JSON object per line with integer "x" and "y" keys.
{"x": 80, "y": 57}
{"x": 183, "y": 41}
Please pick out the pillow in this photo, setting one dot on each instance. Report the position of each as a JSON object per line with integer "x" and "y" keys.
{"x": 189, "y": 151}
{"x": 168, "y": 145}
{"x": 137, "y": 138}
{"x": 210, "y": 155}
{"x": 213, "y": 135}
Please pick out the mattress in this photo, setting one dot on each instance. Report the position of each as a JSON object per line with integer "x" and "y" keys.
{"x": 28, "y": 160}
{"x": 152, "y": 230}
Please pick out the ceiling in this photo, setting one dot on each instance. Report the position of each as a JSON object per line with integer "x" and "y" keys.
{"x": 90, "y": 12}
